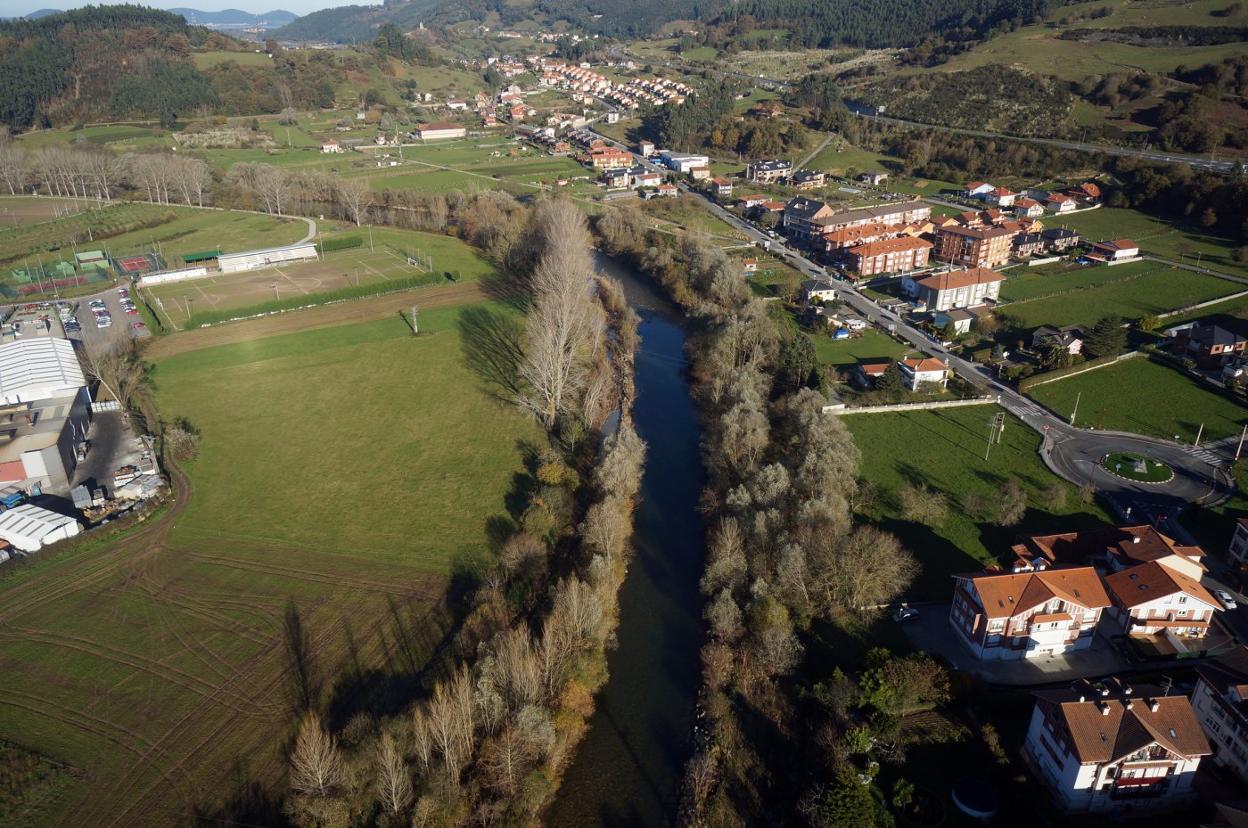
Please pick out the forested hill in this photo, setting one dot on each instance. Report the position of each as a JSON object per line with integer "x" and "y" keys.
{"x": 887, "y": 23}
{"x": 356, "y": 24}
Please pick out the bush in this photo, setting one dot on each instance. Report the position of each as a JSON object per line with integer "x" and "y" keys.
{"x": 340, "y": 243}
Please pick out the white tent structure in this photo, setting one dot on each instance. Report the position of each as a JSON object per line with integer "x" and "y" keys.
{"x": 254, "y": 259}
{"x": 38, "y": 369}
{"x": 30, "y": 528}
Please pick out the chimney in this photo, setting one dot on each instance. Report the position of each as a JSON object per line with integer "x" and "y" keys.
{"x": 1104, "y": 708}
{"x": 1135, "y": 538}
{"x": 1130, "y": 704}
{"x": 1153, "y": 705}
{"x": 1082, "y": 698}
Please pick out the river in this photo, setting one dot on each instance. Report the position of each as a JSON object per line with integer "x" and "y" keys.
{"x": 627, "y": 770}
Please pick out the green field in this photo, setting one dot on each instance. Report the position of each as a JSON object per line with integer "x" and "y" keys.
{"x": 206, "y": 60}
{"x": 945, "y": 450}
{"x": 1157, "y": 237}
{"x": 1144, "y": 397}
{"x": 868, "y": 344}
{"x": 344, "y": 475}
{"x": 1131, "y": 291}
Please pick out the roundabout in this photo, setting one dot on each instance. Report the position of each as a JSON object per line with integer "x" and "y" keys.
{"x": 1139, "y": 468}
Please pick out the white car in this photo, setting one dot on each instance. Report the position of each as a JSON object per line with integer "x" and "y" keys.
{"x": 1225, "y": 598}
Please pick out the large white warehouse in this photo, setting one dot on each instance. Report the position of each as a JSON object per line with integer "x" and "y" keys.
{"x": 30, "y": 528}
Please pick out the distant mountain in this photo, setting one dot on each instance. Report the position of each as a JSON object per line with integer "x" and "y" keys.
{"x": 35, "y": 15}
{"x": 234, "y": 18}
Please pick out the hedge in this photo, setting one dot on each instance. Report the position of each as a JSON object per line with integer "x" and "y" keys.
{"x": 1058, "y": 373}
{"x": 340, "y": 243}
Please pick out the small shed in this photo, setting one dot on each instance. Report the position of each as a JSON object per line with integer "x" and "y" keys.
{"x": 30, "y": 528}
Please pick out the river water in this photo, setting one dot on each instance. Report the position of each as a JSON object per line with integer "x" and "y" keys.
{"x": 628, "y": 768}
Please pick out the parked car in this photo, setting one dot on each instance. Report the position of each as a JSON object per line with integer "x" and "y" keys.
{"x": 138, "y": 327}
{"x": 904, "y": 614}
{"x": 1225, "y": 598}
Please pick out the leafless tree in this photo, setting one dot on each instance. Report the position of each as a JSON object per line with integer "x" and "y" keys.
{"x": 13, "y": 167}
{"x": 726, "y": 566}
{"x": 394, "y": 783}
{"x": 422, "y": 738}
{"x": 866, "y": 569}
{"x": 316, "y": 763}
{"x": 118, "y": 370}
{"x": 923, "y": 504}
{"x": 356, "y": 196}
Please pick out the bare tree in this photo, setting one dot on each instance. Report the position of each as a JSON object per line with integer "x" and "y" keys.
{"x": 13, "y": 170}
{"x": 422, "y": 738}
{"x": 356, "y": 196}
{"x": 868, "y": 568}
{"x": 316, "y": 763}
{"x": 394, "y": 783}
{"x": 119, "y": 370}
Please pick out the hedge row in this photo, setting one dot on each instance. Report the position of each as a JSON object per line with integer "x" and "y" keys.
{"x": 1058, "y": 373}
{"x": 340, "y": 243}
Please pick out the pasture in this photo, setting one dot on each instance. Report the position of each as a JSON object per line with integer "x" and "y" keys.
{"x": 1145, "y": 397}
{"x": 208, "y": 59}
{"x": 1157, "y": 237}
{"x": 945, "y": 450}
{"x": 345, "y": 475}
{"x": 338, "y": 274}
{"x": 1130, "y": 291}
{"x": 868, "y": 344}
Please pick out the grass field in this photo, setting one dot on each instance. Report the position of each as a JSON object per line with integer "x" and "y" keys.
{"x": 1158, "y": 237}
{"x": 945, "y": 450}
{"x": 1145, "y": 397}
{"x": 206, "y": 60}
{"x": 1083, "y": 296}
{"x": 868, "y": 344}
{"x": 369, "y": 270}
{"x": 344, "y": 475}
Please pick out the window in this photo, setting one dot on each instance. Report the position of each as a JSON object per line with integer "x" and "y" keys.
{"x": 1182, "y": 599}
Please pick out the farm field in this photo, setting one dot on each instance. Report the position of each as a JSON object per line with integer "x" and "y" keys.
{"x": 868, "y": 344}
{"x": 945, "y": 450}
{"x": 1130, "y": 291}
{"x": 1157, "y": 237}
{"x": 1145, "y": 397}
{"x": 338, "y": 271}
{"x": 205, "y": 60}
{"x": 150, "y": 668}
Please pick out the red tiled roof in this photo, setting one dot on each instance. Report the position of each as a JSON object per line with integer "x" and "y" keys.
{"x": 1103, "y": 730}
{"x": 879, "y": 248}
{"x": 1008, "y": 594}
{"x": 1149, "y": 581}
{"x": 952, "y": 280}
{"x": 923, "y": 364}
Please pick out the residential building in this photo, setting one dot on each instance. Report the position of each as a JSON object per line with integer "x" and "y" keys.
{"x": 897, "y": 255}
{"x": 1238, "y": 550}
{"x": 1060, "y": 239}
{"x": 1114, "y": 251}
{"x": 702, "y": 173}
{"x": 1027, "y": 244}
{"x": 807, "y": 180}
{"x": 1220, "y": 702}
{"x": 615, "y": 179}
{"x": 747, "y": 202}
{"x": 974, "y": 246}
{"x": 456, "y": 105}
{"x": 721, "y": 187}
{"x": 768, "y": 172}
{"x": 1104, "y": 748}
{"x": 807, "y": 218}
{"x": 868, "y": 371}
{"x": 958, "y": 288}
{"x": 919, "y": 371}
{"x": 641, "y": 177}
{"x": 1212, "y": 346}
{"x": 1088, "y": 191}
{"x": 646, "y": 148}
{"x": 331, "y": 146}
{"x": 1070, "y": 337}
{"x": 1151, "y": 598}
{"x": 1058, "y": 203}
{"x": 440, "y": 131}
{"x": 977, "y": 189}
{"x": 1001, "y": 197}
{"x": 749, "y": 267}
{"x": 817, "y": 291}
{"x": 873, "y": 177}
{"x": 610, "y": 158}
{"x": 1024, "y": 614}
{"x": 668, "y": 190}
{"x": 1112, "y": 548}
{"x": 1028, "y": 208}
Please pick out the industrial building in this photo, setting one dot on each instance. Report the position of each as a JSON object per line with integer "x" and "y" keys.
{"x": 44, "y": 412}
{"x": 30, "y": 528}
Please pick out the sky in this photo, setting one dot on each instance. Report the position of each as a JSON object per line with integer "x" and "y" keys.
{"x": 14, "y": 8}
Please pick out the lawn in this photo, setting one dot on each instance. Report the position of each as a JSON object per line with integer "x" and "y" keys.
{"x": 1129, "y": 291}
{"x": 945, "y": 450}
{"x": 160, "y": 673}
{"x": 1157, "y": 237}
{"x": 206, "y": 60}
{"x": 868, "y": 344}
{"x": 1145, "y": 397}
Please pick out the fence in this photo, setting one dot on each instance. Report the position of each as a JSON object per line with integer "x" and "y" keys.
{"x": 1028, "y": 383}
{"x": 919, "y": 406}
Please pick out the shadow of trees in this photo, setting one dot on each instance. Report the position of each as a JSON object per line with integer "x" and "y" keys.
{"x": 491, "y": 345}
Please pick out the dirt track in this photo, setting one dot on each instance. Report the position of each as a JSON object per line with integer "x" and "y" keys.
{"x": 363, "y": 310}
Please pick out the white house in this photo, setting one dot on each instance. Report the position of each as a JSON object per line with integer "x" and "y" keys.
{"x": 1115, "y": 250}
{"x": 683, "y": 162}
{"x": 815, "y": 291}
{"x": 1024, "y": 614}
{"x": 440, "y": 131}
{"x": 956, "y": 288}
{"x": 331, "y": 146}
{"x": 917, "y": 371}
{"x": 1153, "y": 598}
{"x": 1102, "y": 748}
{"x": 978, "y": 189}
{"x": 1059, "y": 203}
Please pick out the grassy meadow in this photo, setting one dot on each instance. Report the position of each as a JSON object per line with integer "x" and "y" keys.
{"x": 1156, "y": 236}
{"x": 1145, "y": 397}
{"x": 345, "y": 476}
{"x": 945, "y": 450}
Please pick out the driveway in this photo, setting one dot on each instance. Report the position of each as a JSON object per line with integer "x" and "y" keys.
{"x": 932, "y": 633}
{"x": 113, "y": 445}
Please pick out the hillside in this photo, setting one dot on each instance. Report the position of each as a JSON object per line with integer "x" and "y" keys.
{"x": 233, "y": 18}
{"x": 353, "y": 24}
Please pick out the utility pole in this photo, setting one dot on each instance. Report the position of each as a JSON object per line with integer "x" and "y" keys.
{"x": 1199, "y": 432}
{"x": 415, "y": 324}
{"x": 995, "y": 426}
{"x": 370, "y": 238}
{"x": 1076, "y": 411}
{"x": 1242, "y": 435}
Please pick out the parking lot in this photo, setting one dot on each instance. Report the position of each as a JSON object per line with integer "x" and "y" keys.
{"x": 96, "y": 339}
